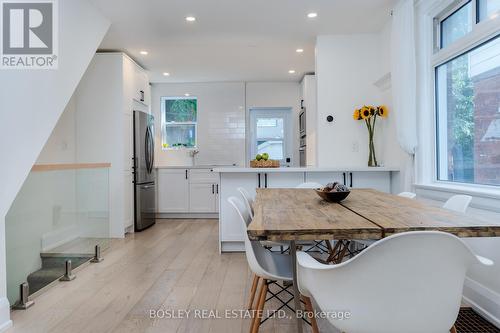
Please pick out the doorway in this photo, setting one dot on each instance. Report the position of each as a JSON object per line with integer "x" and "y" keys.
{"x": 271, "y": 133}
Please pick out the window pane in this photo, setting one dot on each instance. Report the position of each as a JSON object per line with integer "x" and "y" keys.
{"x": 468, "y": 104}
{"x": 270, "y": 128}
{"x": 273, "y": 147}
{"x": 180, "y": 136}
{"x": 180, "y": 110}
{"x": 488, "y": 9}
{"x": 456, "y": 25}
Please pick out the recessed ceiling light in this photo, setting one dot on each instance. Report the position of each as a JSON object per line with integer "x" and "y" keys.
{"x": 190, "y": 18}
{"x": 144, "y": 52}
{"x": 187, "y": 95}
{"x": 166, "y": 74}
{"x": 291, "y": 71}
{"x": 299, "y": 50}
{"x": 312, "y": 15}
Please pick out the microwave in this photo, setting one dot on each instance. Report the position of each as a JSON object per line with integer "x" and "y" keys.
{"x": 302, "y": 123}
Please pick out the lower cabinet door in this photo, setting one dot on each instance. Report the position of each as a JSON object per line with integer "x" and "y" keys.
{"x": 377, "y": 180}
{"x": 202, "y": 198}
{"x": 173, "y": 191}
{"x": 281, "y": 180}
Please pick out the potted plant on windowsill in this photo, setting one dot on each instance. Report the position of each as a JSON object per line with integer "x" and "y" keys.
{"x": 369, "y": 114}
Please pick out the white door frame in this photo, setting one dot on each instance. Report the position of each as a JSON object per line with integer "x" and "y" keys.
{"x": 288, "y": 135}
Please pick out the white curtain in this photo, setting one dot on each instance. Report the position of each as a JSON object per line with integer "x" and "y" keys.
{"x": 403, "y": 75}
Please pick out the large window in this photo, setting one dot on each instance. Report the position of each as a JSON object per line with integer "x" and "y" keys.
{"x": 179, "y": 122}
{"x": 468, "y": 101}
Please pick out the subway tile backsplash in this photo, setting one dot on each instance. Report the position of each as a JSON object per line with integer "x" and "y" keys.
{"x": 221, "y": 123}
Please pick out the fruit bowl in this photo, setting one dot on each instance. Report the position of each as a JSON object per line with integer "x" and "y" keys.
{"x": 332, "y": 196}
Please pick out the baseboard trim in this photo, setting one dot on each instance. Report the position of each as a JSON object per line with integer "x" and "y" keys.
{"x": 5, "y": 322}
{"x": 484, "y": 300}
{"x": 232, "y": 246}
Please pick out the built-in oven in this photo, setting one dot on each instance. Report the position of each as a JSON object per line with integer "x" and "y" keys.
{"x": 302, "y": 122}
{"x": 302, "y": 152}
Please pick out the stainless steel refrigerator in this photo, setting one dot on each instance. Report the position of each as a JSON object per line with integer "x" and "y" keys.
{"x": 143, "y": 171}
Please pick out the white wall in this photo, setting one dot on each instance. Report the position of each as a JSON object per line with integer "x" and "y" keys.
{"x": 221, "y": 123}
{"x": 347, "y": 66}
{"x": 31, "y": 102}
{"x": 61, "y": 145}
{"x": 277, "y": 94}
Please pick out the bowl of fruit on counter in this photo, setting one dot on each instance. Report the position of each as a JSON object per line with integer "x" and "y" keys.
{"x": 263, "y": 161}
{"x": 333, "y": 192}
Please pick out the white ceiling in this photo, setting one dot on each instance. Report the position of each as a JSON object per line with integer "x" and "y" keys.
{"x": 232, "y": 40}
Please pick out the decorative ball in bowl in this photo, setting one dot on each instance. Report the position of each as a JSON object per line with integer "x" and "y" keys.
{"x": 333, "y": 192}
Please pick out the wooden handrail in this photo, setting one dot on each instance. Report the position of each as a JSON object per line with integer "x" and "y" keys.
{"x": 69, "y": 166}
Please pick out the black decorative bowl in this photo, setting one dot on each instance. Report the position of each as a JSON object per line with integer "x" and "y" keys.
{"x": 333, "y": 196}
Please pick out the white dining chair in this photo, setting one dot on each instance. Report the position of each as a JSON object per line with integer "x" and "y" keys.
{"x": 266, "y": 266}
{"x": 410, "y": 282}
{"x": 458, "y": 203}
{"x": 311, "y": 185}
{"x": 247, "y": 200}
{"x": 409, "y": 195}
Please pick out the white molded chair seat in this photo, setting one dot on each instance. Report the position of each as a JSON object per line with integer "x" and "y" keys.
{"x": 409, "y": 195}
{"x": 266, "y": 264}
{"x": 458, "y": 203}
{"x": 410, "y": 282}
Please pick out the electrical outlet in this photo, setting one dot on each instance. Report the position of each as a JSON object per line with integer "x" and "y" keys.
{"x": 355, "y": 147}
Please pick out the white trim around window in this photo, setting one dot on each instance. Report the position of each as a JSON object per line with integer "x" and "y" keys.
{"x": 429, "y": 57}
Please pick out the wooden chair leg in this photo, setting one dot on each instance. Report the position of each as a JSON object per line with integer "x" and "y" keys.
{"x": 252, "y": 291}
{"x": 453, "y": 329}
{"x": 309, "y": 308}
{"x": 260, "y": 307}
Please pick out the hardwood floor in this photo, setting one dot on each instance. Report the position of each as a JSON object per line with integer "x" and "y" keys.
{"x": 174, "y": 265}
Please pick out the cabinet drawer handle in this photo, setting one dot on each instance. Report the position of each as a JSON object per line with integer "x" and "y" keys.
{"x": 217, "y": 186}
{"x": 350, "y": 176}
{"x": 265, "y": 180}
{"x": 343, "y": 174}
{"x": 213, "y": 191}
{"x": 186, "y": 174}
{"x": 258, "y": 177}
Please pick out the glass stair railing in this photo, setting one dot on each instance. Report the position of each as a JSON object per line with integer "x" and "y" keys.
{"x": 60, "y": 214}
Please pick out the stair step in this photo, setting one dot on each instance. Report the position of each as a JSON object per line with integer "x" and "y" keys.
{"x": 52, "y": 269}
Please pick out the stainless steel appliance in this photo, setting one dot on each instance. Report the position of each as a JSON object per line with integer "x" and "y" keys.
{"x": 303, "y": 136}
{"x": 302, "y": 152}
{"x": 302, "y": 122}
{"x": 143, "y": 171}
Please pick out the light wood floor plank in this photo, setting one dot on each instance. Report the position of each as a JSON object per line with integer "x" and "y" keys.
{"x": 174, "y": 265}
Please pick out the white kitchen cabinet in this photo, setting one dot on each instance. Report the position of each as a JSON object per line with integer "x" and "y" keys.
{"x": 324, "y": 178}
{"x": 173, "y": 190}
{"x": 231, "y": 229}
{"x": 202, "y": 198}
{"x": 282, "y": 180}
{"x": 380, "y": 181}
{"x": 105, "y": 101}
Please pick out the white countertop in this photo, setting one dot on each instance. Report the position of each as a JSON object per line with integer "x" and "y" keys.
{"x": 305, "y": 169}
{"x": 193, "y": 166}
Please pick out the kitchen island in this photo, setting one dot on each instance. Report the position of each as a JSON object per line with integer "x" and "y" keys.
{"x": 385, "y": 179}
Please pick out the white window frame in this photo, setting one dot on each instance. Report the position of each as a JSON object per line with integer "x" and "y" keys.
{"x": 429, "y": 15}
{"x": 164, "y": 123}
{"x": 288, "y": 126}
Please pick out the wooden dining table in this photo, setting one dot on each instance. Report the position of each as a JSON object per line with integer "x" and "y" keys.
{"x": 300, "y": 214}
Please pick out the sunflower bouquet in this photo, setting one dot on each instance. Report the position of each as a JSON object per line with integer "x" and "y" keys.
{"x": 369, "y": 114}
